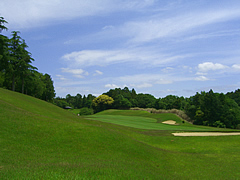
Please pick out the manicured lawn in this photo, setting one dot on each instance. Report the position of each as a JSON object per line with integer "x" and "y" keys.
{"x": 41, "y": 141}
{"x": 146, "y": 120}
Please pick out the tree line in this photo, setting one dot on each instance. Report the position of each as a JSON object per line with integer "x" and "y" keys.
{"x": 16, "y": 71}
{"x": 205, "y": 108}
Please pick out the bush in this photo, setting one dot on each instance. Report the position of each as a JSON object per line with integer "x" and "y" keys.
{"x": 238, "y": 126}
{"x": 85, "y": 111}
{"x": 219, "y": 124}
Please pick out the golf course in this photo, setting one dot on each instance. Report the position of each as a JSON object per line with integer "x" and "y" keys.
{"x": 39, "y": 140}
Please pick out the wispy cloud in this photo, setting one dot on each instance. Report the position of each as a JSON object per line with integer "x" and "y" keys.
{"x": 79, "y": 73}
{"x": 159, "y": 27}
{"x": 97, "y": 72}
{"x": 235, "y": 32}
{"x": 143, "y": 85}
{"x": 146, "y": 56}
{"x": 148, "y": 80}
{"x": 61, "y": 77}
{"x": 201, "y": 78}
{"x": 39, "y": 13}
{"x": 112, "y": 86}
{"x": 236, "y": 67}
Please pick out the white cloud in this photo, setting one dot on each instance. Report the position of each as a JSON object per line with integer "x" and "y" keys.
{"x": 148, "y": 80}
{"x": 143, "y": 85}
{"x": 167, "y": 69}
{"x": 201, "y": 78}
{"x": 32, "y": 13}
{"x": 112, "y": 86}
{"x": 73, "y": 71}
{"x": 146, "y": 56}
{"x": 209, "y": 66}
{"x": 97, "y": 72}
{"x": 157, "y": 27}
{"x": 235, "y": 32}
{"x": 60, "y": 77}
{"x": 168, "y": 91}
{"x": 236, "y": 67}
{"x": 79, "y": 73}
{"x": 165, "y": 81}
{"x": 109, "y": 27}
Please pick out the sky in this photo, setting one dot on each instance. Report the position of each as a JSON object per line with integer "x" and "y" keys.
{"x": 159, "y": 47}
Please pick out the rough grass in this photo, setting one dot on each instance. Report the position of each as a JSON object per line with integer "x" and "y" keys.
{"x": 41, "y": 141}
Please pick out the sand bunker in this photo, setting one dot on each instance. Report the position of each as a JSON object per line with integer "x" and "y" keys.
{"x": 207, "y": 134}
{"x": 169, "y": 122}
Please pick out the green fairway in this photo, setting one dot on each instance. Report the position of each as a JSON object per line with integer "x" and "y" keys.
{"x": 146, "y": 120}
{"x": 41, "y": 141}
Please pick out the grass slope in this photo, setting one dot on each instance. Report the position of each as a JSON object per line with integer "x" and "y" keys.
{"x": 41, "y": 141}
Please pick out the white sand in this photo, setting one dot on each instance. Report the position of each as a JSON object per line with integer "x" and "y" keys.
{"x": 207, "y": 134}
{"x": 169, "y": 122}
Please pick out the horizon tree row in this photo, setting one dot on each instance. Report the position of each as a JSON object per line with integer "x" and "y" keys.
{"x": 205, "y": 108}
{"x": 16, "y": 71}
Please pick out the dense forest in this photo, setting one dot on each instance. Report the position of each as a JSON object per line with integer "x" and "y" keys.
{"x": 17, "y": 74}
{"x": 16, "y": 71}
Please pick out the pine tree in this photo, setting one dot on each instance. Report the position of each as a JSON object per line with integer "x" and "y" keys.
{"x": 2, "y": 22}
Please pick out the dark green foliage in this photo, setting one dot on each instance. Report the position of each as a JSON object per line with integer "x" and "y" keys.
{"x": 76, "y": 102}
{"x": 213, "y": 109}
{"x": 85, "y": 111}
{"x": 4, "y": 41}
{"x": 60, "y": 102}
{"x": 235, "y": 96}
{"x": 199, "y": 115}
{"x": 2, "y": 22}
{"x": 123, "y": 98}
{"x": 16, "y": 71}
{"x": 145, "y": 100}
{"x": 121, "y": 103}
{"x": 48, "y": 91}
{"x": 169, "y": 102}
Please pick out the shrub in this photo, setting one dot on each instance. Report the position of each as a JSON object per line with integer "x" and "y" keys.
{"x": 219, "y": 124}
{"x": 238, "y": 126}
{"x": 85, "y": 111}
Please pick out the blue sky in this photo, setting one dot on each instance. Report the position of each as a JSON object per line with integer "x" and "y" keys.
{"x": 160, "y": 47}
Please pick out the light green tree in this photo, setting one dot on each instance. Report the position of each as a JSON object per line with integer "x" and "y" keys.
{"x": 102, "y": 102}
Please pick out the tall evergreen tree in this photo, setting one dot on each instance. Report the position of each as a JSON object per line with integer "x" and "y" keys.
{"x": 48, "y": 92}
{"x": 25, "y": 68}
{"x": 2, "y": 26}
{"x": 15, "y": 55}
{"x": 3, "y": 45}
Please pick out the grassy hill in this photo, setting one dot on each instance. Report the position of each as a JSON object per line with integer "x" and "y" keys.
{"x": 41, "y": 141}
